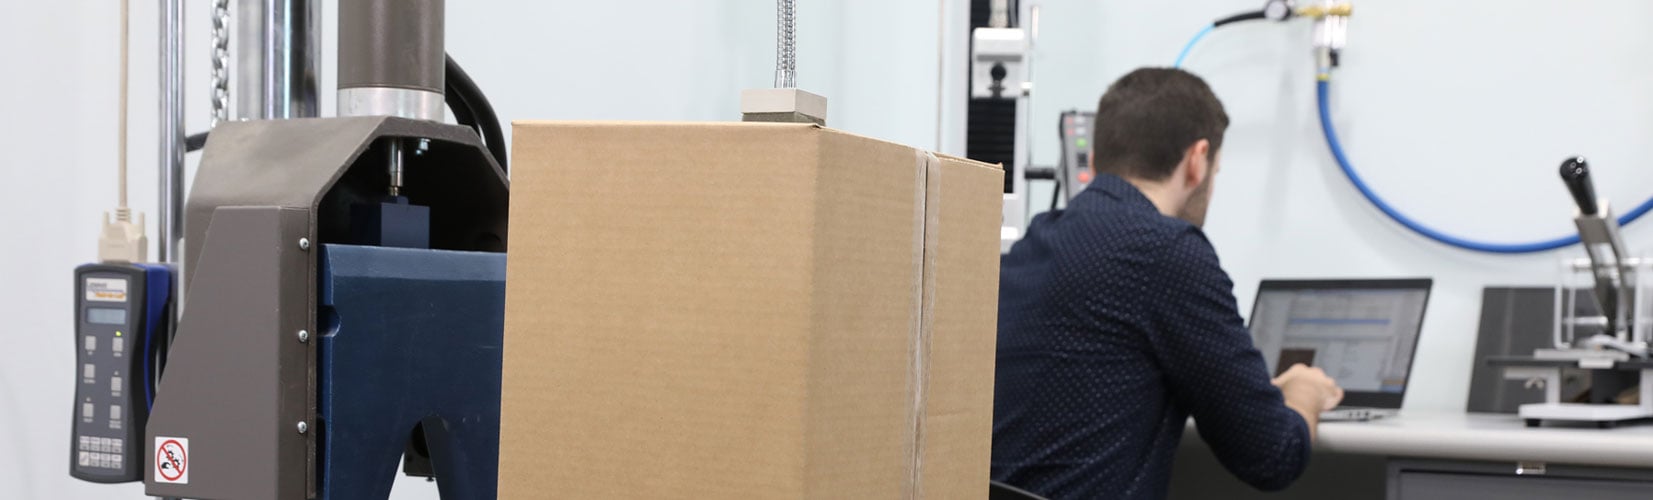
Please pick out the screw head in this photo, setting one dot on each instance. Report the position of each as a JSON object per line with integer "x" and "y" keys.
{"x": 424, "y": 145}
{"x": 304, "y": 243}
{"x": 303, "y": 427}
{"x": 303, "y": 336}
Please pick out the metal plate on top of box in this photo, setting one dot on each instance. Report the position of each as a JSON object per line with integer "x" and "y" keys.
{"x": 783, "y": 105}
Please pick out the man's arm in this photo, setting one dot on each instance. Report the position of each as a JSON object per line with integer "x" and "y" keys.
{"x": 1215, "y": 372}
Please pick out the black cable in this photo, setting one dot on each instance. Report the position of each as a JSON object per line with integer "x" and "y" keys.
{"x": 1243, "y": 16}
{"x": 1056, "y": 194}
{"x": 456, "y": 101}
{"x": 469, "y": 103}
{"x": 1062, "y": 167}
{"x": 462, "y": 113}
{"x": 1039, "y": 173}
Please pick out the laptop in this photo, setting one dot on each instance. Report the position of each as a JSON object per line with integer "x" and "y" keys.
{"x": 1363, "y": 333}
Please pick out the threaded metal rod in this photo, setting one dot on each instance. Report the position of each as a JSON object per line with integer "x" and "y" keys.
{"x": 786, "y": 45}
{"x": 396, "y": 166}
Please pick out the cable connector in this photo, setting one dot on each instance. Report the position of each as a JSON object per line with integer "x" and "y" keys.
{"x": 121, "y": 239}
{"x": 1324, "y": 9}
{"x": 1331, "y": 32}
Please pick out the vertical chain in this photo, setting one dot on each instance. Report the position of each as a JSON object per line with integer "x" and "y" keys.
{"x": 220, "y": 61}
{"x": 786, "y": 45}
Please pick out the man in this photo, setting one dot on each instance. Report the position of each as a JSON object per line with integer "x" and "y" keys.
{"x": 1116, "y": 322}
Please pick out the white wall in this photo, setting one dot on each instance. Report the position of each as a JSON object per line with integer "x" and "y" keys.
{"x": 1456, "y": 115}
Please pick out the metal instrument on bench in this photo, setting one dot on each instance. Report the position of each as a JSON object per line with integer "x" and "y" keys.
{"x": 1613, "y": 344}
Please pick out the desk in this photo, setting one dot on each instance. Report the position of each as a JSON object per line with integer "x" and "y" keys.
{"x": 1447, "y": 455}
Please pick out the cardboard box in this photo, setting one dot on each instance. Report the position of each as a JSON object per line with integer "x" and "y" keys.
{"x": 745, "y": 310}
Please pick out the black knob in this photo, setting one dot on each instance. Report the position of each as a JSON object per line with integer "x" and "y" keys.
{"x": 1575, "y": 172}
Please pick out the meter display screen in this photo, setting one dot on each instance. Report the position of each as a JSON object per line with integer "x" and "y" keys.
{"x": 106, "y": 316}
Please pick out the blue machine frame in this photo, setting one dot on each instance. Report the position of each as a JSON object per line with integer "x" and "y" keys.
{"x": 410, "y": 353}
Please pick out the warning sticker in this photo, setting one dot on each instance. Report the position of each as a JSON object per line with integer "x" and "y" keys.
{"x": 172, "y": 460}
{"x": 106, "y": 289}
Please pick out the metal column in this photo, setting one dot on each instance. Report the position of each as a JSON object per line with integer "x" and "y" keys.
{"x": 169, "y": 215}
{"x": 276, "y": 58}
{"x": 391, "y": 58}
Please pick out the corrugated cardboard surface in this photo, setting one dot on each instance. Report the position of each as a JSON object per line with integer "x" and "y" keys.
{"x": 730, "y": 311}
{"x": 965, "y": 318}
{"x": 862, "y": 316}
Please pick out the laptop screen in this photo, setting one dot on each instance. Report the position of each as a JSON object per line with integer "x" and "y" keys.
{"x": 1363, "y": 333}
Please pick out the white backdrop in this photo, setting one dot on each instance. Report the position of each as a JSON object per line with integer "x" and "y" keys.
{"x": 1457, "y": 111}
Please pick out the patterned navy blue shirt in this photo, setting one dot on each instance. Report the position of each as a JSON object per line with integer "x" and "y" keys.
{"x": 1116, "y": 324}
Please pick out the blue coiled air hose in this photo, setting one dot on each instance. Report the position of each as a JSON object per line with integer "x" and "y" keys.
{"x": 1323, "y": 89}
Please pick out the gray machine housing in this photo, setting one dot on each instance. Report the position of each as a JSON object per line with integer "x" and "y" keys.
{"x": 241, "y": 386}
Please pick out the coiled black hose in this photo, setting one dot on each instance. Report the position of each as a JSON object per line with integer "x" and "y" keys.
{"x": 471, "y": 108}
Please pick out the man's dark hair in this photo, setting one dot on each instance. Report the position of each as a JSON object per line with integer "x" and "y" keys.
{"x": 1148, "y": 118}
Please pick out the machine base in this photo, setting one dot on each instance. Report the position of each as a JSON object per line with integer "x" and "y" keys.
{"x": 410, "y": 368}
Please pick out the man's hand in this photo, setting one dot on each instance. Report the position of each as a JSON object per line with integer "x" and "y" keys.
{"x": 1309, "y": 391}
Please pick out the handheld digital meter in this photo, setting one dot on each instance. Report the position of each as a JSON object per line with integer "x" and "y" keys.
{"x": 122, "y": 314}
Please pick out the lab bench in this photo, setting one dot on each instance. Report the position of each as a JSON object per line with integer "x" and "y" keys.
{"x": 1457, "y": 456}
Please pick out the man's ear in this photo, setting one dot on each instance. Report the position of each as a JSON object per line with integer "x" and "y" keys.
{"x": 1197, "y": 163}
